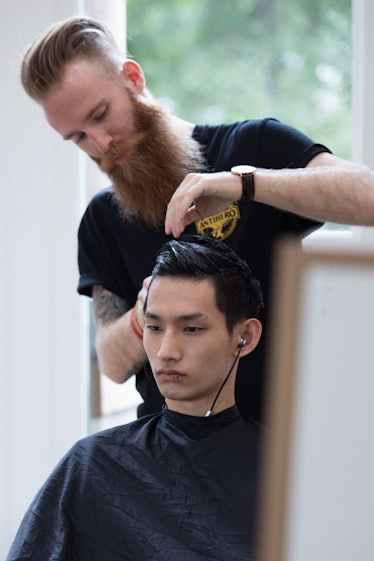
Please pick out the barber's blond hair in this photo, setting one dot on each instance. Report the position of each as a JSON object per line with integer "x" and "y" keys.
{"x": 77, "y": 37}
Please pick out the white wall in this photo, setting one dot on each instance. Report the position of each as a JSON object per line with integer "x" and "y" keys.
{"x": 363, "y": 81}
{"x": 43, "y": 321}
{"x": 43, "y": 401}
{"x": 363, "y": 94}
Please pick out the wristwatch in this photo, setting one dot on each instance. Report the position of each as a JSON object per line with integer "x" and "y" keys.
{"x": 247, "y": 174}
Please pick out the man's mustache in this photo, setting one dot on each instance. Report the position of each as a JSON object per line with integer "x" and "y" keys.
{"x": 107, "y": 161}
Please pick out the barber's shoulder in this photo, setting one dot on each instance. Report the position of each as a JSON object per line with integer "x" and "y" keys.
{"x": 102, "y": 207}
{"x": 102, "y": 197}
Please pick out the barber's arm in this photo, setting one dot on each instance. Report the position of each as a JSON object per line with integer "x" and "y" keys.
{"x": 328, "y": 189}
{"x": 118, "y": 340}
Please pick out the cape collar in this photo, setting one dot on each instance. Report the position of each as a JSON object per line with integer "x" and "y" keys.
{"x": 198, "y": 427}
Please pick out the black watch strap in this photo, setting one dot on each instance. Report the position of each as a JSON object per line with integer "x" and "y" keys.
{"x": 248, "y": 183}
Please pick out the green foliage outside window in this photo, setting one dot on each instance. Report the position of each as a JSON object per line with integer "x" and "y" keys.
{"x": 218, "y": 61}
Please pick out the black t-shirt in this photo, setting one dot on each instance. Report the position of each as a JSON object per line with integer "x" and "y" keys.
{"x": 118, "y": 253}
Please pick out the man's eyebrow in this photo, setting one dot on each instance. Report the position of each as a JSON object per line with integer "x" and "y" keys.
{"x": 92, "y": 111}
{"x": 183, "y": 317}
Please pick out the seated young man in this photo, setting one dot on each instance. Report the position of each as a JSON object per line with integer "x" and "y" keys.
{"x": 181, "y": 484}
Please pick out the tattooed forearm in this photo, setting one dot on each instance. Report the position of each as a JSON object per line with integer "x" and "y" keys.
{"x": 107, "y": 306}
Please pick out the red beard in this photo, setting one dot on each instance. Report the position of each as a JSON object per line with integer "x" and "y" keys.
{"x": 160, "y": 159}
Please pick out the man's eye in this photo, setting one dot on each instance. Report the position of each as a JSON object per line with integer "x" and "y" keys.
{"x": 152, "y": 327}
{"x": 193, "y": 329}
{"x": 101, "y": 116}
{"x": 79, "y": 137}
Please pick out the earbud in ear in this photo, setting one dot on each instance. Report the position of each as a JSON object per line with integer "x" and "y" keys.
{"x": 242, "y": 343}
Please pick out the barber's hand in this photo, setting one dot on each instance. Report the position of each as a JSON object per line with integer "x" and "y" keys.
{"x": 142, "y": 295}
{"x": 201, "y": 195}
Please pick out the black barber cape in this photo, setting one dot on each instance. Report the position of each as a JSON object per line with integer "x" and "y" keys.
{"x": 165, "y": 487}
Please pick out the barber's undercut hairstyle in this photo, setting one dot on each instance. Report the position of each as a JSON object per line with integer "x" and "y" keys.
{"x": 44, "y": 62}
{"x": 238, "y": 293}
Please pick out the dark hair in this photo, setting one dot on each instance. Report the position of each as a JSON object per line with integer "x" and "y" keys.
{"x": 44, "y": 61}
{"x": 238, "y": 294}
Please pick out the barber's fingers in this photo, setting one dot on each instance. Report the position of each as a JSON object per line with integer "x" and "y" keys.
{"x": 142, "y": 294}
{"x": 200, "y": 195}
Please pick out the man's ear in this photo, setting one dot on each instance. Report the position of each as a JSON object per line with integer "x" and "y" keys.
{"x": 132, "y": 72}
{"x": 251, "y": 330}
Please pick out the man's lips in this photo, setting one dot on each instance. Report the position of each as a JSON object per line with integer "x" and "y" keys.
{"x": 169, "y": 375}
{"x": 122, "y": 157}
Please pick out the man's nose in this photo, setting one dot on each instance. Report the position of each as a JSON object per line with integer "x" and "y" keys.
{"x": 101, "y": 141}
{"x": 169, "y": 347}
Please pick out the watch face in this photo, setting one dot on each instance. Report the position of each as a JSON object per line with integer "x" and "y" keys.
{"x": 243, "y": 170}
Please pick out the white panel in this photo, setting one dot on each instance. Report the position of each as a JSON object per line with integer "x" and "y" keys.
{"x": 332, "y": 471}
{"x": 43, "y": 343}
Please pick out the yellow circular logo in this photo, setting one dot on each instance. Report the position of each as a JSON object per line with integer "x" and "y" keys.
{"x": 220, "y": 225}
